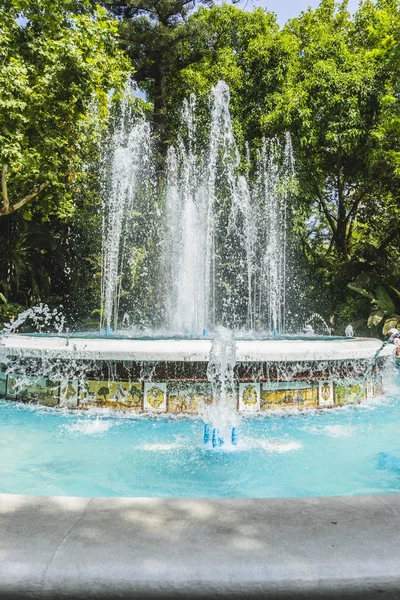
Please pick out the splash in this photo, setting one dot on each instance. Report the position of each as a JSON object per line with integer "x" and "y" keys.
{"x": 221, "y": 415}
{"x": 216, "y": 251}
{"x": 90, "y": 426}
{"x": 41, "y": 319}
{"x": 225, "y": 247}
{"x": 128, "y": 164}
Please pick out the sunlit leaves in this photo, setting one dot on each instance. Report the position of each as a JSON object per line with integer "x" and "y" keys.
{"x": 57, "y": 67}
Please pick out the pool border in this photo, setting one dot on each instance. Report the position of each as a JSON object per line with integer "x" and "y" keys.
{"x": 336, "y": 547}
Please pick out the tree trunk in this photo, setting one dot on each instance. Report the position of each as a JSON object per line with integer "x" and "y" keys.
{"x": 341, "y": 224}
{"x": 6, "y": 208}
{"x": 6, "y": 203}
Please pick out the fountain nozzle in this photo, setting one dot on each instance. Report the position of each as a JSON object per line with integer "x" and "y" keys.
{"x": 215, "y": 438}
{"x": 234, "y": 436}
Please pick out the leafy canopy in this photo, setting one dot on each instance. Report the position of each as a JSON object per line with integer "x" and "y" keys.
{"x": 60, "y": 59}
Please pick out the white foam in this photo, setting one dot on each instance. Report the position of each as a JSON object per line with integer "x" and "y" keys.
{"x": 279, "y": 446}
{"x": 335, "y": 431}
{"x": 90, "y": 426}
{"x": 160, "y": 447}
{"x": 338, "y": 431}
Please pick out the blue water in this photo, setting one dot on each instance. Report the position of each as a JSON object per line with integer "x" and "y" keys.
{"x": 352, "y": 450}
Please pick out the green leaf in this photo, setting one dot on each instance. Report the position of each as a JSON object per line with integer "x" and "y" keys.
{"x": 384, "y": 301}
{"x": 3, "y": 298}
{"x": 361, "y": 291}
{"x": 392, "y": 321}
{"x": 375, "y": 318}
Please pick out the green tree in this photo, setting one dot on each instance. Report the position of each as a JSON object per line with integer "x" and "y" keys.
{"x": 335, "y": 104}
{"x": 59, "y": 59}
{"x": 23, "y": 248}
{"x": 155, "y": 34}
{"x": 249, "y": 52}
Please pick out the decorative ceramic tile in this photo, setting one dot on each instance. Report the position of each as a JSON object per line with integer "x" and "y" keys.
{"x": 299, "y": 397}
{"x": 94, "y": 392}
{"x": 3, "y": 384}
{"x": 33, "y": 389}
{"x": 249, "y": 397}
{"x": 190, "y": 399}
{"x": 126, "y": 394}
{"x": 182, "y": 402}
{"x": 349, "y": 394}
{"x": 155, "y": 397}
{"x": 16, "y": 385}
{"x": 69, "y": 392}
{"x": 113, "y": 394}
{"x": 325, "y": 393}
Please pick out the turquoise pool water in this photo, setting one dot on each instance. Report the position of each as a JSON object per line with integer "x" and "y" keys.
{"x": 353, "y": 450}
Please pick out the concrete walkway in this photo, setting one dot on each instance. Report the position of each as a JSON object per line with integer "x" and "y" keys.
{"x": 226, "y": 548}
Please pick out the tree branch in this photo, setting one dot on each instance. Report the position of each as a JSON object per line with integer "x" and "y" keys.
{"x": 8, "y": 210}
{"x": 6, "y": 203}
{"x": 356, "y": 203}
{"x": 326, "y": 211}
{"x": 350, "y": 228}
{"x": 330, "y": 246}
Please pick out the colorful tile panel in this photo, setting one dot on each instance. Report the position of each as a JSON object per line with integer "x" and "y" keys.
{"x": 249, "y": 397}
{"x": 299, "y": 397}
{"x": 155, "y": 397}
{"x": 33, "y": 389}
{"x": 112, "y": 394}
{"x": 349, "y": 394}
{"x": 69, "y": 393}
{"x": 325, "y": 393}
{"x": 182, "y": 397}
{"x": 188, "y": 399}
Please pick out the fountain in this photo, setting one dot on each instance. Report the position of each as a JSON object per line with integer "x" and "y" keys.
{"x": 128, "y": 159}
{"x": 222, "y": 250}
{"x": 213, "y": 259}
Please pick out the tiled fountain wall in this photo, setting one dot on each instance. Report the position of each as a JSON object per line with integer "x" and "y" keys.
{"x": 185, "y": 396}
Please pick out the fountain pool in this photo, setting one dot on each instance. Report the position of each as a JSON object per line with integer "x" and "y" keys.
{"x": 225, "y": 416}
{"x": 346, "y": 451}
{"x": 141, "y": 407}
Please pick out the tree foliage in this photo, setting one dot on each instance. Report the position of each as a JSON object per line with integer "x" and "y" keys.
{"x": 59, "y": 59}
{"x": 154, "y": 34}
{"x": 331, "y": 78}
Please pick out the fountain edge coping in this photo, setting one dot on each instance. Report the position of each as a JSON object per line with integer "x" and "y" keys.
{"x": 59, "y": 547}
{"x": 190, "y": 350}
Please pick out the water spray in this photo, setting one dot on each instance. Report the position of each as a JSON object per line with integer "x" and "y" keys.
{"x": 394, "y": 333}
{"x": 221, "y": 413}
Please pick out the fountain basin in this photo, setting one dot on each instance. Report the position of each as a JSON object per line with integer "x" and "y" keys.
{"x": 170, "y": 375}
{"x": 191, "y": 350}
